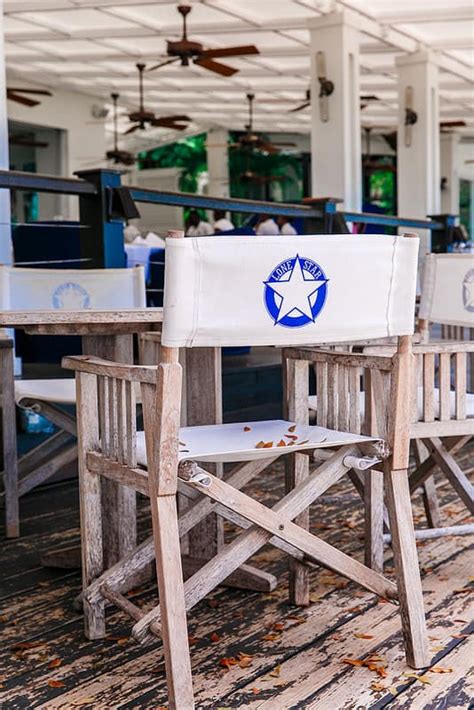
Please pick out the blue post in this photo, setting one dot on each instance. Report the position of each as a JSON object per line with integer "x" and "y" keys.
{"x": 102, "y": 241}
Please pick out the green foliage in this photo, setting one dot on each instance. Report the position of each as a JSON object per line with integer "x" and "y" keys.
{"x": 190, "y": 155}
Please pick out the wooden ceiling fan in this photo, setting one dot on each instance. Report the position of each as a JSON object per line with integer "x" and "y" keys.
{"x": 118, "y": 157}
{"x": 185, "y": 51}
{"x": 15, "y": 94}
{"x": 253, "y": 141}
{"x": 142, "y": 117}
{"x": 365, "y": 99}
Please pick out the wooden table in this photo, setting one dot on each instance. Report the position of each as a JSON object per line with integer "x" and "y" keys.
{"x": 109, "y": 335}
{"x": 106, "y": 334}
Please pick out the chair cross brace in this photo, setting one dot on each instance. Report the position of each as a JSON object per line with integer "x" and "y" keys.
{"x": 265, "y": 524}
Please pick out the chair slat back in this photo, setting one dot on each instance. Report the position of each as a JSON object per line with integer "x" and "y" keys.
{"x": 447, "y": 296}
{"x": 117, "y": 419}
{"x": 288, "y": 290}
{"x": 71, "y": 289}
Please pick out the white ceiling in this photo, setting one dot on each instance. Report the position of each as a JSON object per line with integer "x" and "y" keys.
{"x": 91, "y": 46}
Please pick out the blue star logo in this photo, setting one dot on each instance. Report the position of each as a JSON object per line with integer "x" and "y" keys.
{"x": 295, "y": 292}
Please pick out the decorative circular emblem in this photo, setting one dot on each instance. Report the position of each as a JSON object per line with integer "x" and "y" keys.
{"x": 468, "y": 291}
{"x": 295, "y": 292}
{"x": 71, "y": 296}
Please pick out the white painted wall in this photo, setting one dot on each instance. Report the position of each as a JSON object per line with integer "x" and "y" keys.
{"x": 83, "y": 140}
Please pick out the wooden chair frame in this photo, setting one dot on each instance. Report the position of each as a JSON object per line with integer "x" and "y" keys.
{"x": 437, "y": 439}
{"x": 107, "y": 448}
{"x": 21, "y": 475}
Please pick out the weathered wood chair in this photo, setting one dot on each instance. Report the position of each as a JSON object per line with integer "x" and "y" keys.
{"x": 442, "y": 395}
{"x": 46, "y": 289}
{"x": 261, "y": 291}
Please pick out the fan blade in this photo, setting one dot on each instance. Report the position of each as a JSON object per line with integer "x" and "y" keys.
{"x": 268, "y": 148}
{"x": 132, "y": 129}
{"x": 216, "y": 67}
{"x": 169, "y": 123}
{"x": 21, "y": 99}
{"x": 163, "y": 64}
{"x": 41, "y": 92}
{"x": 229, "y": 52}
{"x": 300, "y": 108}
{"x": 177, "y": 117}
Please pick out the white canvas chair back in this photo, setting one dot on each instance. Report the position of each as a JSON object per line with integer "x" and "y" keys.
{"x": 71, "y": 289}
{"x": 288, "y": 290}
{"x": 448, "y": 290}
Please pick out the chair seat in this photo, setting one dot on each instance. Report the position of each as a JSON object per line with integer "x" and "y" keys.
{"x": 60, "y": 391}
{"x": 238, "y": 442}
{"x": 312, "y": 403}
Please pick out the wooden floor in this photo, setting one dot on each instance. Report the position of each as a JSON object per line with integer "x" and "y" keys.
{"x": 248, "y": 650}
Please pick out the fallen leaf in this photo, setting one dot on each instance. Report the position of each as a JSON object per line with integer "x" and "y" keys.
{"x": 422, "y": 678}
{"x": 268, "y": 445}
{"x": 256, "y": 691}
{"x": 192, "y": 640}
{"x": 215, "y": 637}
{"x": 292, "y": 428}
{"x": 393, "y": 690}
{"x": 376, "y": 685}
{"x": 55, "y": 663}
{"x": 247, "y": 428}
{"x": 354, "y": 609}
{"x": 293, "y": 437}
{"x": 245, "y": 662}
{"x": 56, "y": 684}
{"x": 464, "y": 590}
{"x": 260, "y": 445}
{"x": 281, "y": 443}
{"x": 228, "y": 662}
{"x": 275, "y": 673}
{"x": 315, "y": 598}
{"x": 306, "y": 441}
{"x": 270, "y": 637}
{"x": 363, "y": 636}
{"x": 460, "y": 621}
{"x": 353, "y": 661}
{"x": 440, "y": 669}
{"x": 278, "y": 626}
{"x": 459, "y": 636}
{"x": 436, "y": 649}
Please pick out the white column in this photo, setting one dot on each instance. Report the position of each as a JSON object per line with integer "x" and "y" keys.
{"x": 418, "y": 163}
{"x": 335, "y": 142}
{"x": 218, "y": 162}
{"x": 449, "y": 161}
{"x": 5, "y": 215}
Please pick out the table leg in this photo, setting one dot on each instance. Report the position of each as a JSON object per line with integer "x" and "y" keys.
{"x": 119, "y": 503}
{"x": 203, "y": 374}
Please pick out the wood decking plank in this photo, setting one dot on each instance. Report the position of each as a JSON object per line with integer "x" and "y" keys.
{"x": 124, "y": 675}
{"x": 318, "y": 677}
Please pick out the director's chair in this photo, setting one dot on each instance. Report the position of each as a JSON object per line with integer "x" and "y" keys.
{"x": 262, "y": 291}
{"x": 23, "y": 289}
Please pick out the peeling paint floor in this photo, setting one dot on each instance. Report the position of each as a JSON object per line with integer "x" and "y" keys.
{"x": 249, "y": 650}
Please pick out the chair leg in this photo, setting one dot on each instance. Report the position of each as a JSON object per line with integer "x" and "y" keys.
{"x": 172, "y": 604}
{"x": 406, "y": 567}
{"x": 374, "y": 512}
{"x": 10, "y": 457}
{"x": 91, "y": 550}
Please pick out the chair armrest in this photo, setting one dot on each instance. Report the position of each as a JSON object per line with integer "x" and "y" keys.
{"x": 106, "y": 368}
{"x": 365, "y": 360}
{"x": 432, "y": 347}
